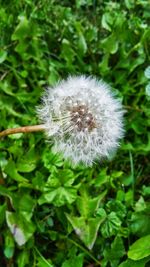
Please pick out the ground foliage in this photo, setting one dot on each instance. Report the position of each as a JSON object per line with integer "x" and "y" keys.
{"x": 52, "y": 214}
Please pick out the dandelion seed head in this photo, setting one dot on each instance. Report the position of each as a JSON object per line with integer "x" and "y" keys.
{"x": 83, "y": 118}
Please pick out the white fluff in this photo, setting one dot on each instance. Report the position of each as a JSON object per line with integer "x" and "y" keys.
{"x": 83, "y": 118}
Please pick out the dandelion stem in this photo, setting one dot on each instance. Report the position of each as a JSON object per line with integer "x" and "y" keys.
{"x": 24, "y": 129}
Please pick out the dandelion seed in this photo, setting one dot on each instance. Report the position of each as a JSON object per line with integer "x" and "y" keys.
{"x": 83, "y": 118}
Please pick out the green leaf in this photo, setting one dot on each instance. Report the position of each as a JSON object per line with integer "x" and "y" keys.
{"x": 101, "y": 178}
{"x": 140, "y": 205}
{"x": 38, "y": 181}
{"x": 27, "y": 163}
{"x": 51, "y": 159}
{"x": 3, "y": 56}
{"x": 5, "y": 192}
{"x": 75, "y": 260}
{"x": 110, "y": 44}
{"x": 11, "y": 170}
{"x": 87, "y": 206}
{"x": 59, "y": 196}
{"x": 140, "y": 248}
{"x": 116, "y": 252}
{"x": 131, "y": 263}
{"x": 82, "y": 44}
{"x": 140, "y": 223}
{"x": 106, "y": 21}
{"x": 59, "y": 189}
{"x": 63, "y": 177}
{"x": 9, "y": 246}
{"x": 146, "y": 190}
{"x": 23, "y": 258}
{"x": 111, "y": 225}
{"x": 22, "y": 29}
{"x": 67, "y": 52}
{"x": 42, "y": 262}
{"x": 117, "y": 207}
{"x": 147, "y": 89}
{"x": 20, "y": 227}
{"x": 26, "y": 204}
{"x": 86, "y": 229}
{"x": 129, "y": 3}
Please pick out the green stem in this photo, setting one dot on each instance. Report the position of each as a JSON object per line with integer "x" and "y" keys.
{"x": 83, "y": 249}
{"x": 132, "y": 172}
{"x": 38, "y": 252}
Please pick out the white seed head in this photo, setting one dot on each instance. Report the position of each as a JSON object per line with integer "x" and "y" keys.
{"x": 83, "y": 118}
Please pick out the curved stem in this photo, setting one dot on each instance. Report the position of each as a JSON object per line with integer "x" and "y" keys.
{"x": 82, "y": 248}
{"x": 24, "y": 129}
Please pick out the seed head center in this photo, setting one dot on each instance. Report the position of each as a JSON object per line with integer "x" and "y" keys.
{"x": 82, "y": 118}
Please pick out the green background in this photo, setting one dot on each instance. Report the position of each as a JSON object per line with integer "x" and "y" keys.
{"x": 65, "y": 216}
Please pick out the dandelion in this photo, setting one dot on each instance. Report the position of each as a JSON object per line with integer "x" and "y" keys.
{"x": 83, "y": 118}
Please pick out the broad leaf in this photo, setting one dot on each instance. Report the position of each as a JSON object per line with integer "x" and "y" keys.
{"x": 21, "y": 228}
{"x": 140, "y": 249}
{"x": 86, "y": 229}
